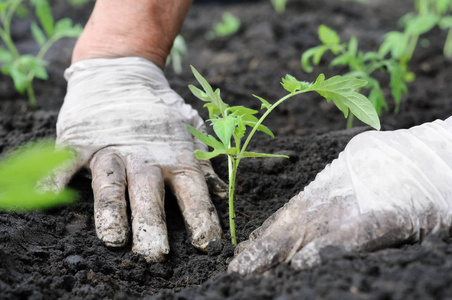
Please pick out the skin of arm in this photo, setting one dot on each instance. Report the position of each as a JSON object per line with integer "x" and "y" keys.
{"x": 122, "y": 28}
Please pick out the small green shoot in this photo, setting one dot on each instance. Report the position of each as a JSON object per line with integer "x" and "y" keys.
{"x": 402, "y": 44}
{"x": 228, "y": 26}
{"x": 177, "y": 54}
{"x": 279, "y": 5}
{"x": 230, "y": 122}
{"x": 23, "y": 68}
{"x": 20, "y": 172}
{"x": 361, "y": 65}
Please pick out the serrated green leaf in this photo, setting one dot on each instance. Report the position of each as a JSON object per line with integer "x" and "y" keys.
{"x": 328, "y": 36}
{"x": 20, "y": 172}
{"x": 224, "y": 128}
{"x": 309, "y": 55}
{"x": 342, "y": 90}
{"x": 208, "y": 140}
{"x": 395, "y": 43}
{"x": 34, "y": 65}
{"x": 290, "y": 84}
{"x": 240, "y": 129}
{"x": 353, "y": 46}
{"x": 64, "y": 28}
{"x": 342, "y": 60}
{"x": 265, "y": 103}
{"x": 37, "y": 34}
{"x": 26, "y": 198}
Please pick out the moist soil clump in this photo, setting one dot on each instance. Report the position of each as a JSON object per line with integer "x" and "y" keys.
{"x": 56, "y": 254}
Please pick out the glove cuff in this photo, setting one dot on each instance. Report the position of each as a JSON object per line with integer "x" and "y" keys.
{"x": 126, "y": 62}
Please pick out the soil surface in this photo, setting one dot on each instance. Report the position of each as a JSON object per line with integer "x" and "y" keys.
{"x": 56, "y": 254}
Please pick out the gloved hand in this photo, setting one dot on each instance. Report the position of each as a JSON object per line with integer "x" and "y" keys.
{"x": 127, "y": 126}
{"x": 385, "y": 188}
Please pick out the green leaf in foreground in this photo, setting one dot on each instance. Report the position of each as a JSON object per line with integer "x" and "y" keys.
{"x": 20, "y": 173}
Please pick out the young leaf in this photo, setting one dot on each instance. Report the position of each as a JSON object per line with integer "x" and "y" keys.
{"x": 5, "y": 55}
{"x": 342, "y": 90}
{"x": 265, "y": 103}
{"x": 291, "y": 84}
{"x": 198, "y": 93}
{"x": 203, "y": 155}
{"x": 44, "y": 13}
{"x": 208, "y": 140}
{"x": 224, "y": 128}
{"x": 37, "y": 34}
{"x": 328, "y": 36}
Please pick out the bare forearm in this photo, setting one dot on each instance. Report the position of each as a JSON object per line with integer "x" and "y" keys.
{"x": 144, "y": 28}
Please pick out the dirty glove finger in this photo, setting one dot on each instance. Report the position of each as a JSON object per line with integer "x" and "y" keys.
{"x": 147, "y": 205}
{"x": 201, "y": 219}
{"x": 369, "y": 232}
{"x": 110, "y": 208}
{"x": 216, "y": 186}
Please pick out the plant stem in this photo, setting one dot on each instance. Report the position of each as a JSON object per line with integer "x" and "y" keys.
{"x": 350, "y": 118}
{"x": 233, "y": 165}
{"x": 269, "y": 110}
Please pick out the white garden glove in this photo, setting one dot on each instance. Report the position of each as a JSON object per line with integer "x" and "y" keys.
{"x": 127, "y": 126}
{"x": 385, "y": 188}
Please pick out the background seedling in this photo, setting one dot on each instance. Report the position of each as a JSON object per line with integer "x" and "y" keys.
{"x": 230, "y": 122}
{"x": 23, "y": 68}
{"x": 279, "y": 5}
{"x": 230, "y": 24}
{"x": 361, "y": 65}
{"x": 177, "y": 54}
{"x": 393, "y": 56}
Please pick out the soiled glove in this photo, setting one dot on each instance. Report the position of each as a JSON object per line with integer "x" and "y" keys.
{"x": 385, "y": 188}
{"x": 127, "y": 126}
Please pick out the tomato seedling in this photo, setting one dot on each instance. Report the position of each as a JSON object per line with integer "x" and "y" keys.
{"x": 23, "y": 68}
{"x": 361, "y": 65}
{"x": 230, "y": 122}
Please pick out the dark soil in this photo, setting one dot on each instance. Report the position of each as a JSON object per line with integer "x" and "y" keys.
{"x": 56, "y": 254}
